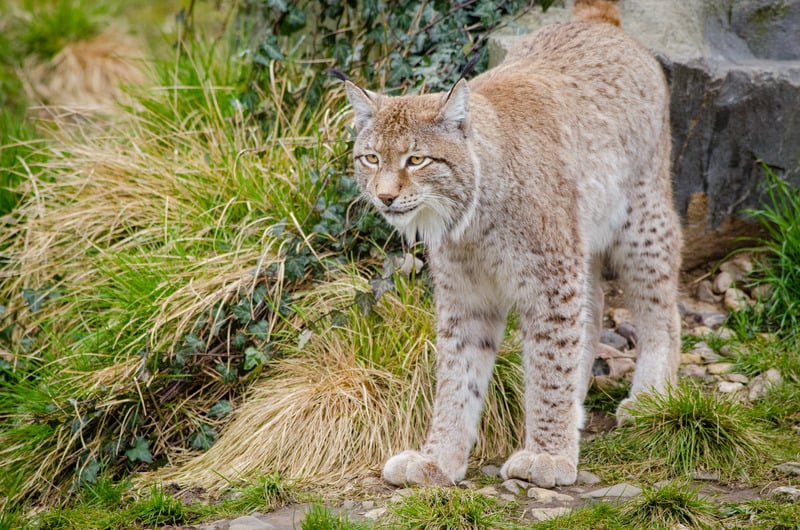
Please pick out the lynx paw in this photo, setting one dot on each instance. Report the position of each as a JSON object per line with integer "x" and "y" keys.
{"x": 546, "y": 471}
{"x": 623, "y": 413}
{"x": 412, "y": 467}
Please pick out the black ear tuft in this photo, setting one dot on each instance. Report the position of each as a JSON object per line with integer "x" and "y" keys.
{"x": 469, "y": 66}
{"x": 338, "y": 74}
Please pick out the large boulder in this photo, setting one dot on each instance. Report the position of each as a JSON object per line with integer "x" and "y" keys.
{"x": 734, "y": 74}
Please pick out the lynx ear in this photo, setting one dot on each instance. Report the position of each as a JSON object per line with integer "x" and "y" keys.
{"x": 364, "y": 103}
{"x": 455, "y": 107}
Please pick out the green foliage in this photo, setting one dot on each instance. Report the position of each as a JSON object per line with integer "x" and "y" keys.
{"x": 683, "y": 431}
{"x": 668, "y": 506}
{"x": 779, "y": 264}
{"x": 320, "y": 517}
{"x": 763, "y": 514}
{"x": 448, "y": 508}
{"x": 54, "y": 23}
{"x": 600, "y": 516}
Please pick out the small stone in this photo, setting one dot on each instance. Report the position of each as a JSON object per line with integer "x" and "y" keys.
{"x": 587, "y": 477}
{"x": 719, "y": 368}
{"x": 617, "y": 491}
{"x": 705, "y": 475}
{"x": 727, "y": 387}
{"x": 349, "y": 505}
{"x": 726, "y": 350}
{"x": 789, "y": 468}
{"x": 368, "y": 505}
{"x": 545, "y": 514}
{"x": 736, "y": 378}
{"x": 762, "y": 383}
{"x": 546, "y": 496}
{"x": 738, "y": 267}
{"x": 700, "y": 331}
{"x": 723, "y": 282}
{"x": 705, "y": 292}
{"x": 375, "y": 514}
{"x": 785, "y": 494}
{"x": 398, "y": 495}
{"x": 620, "y": 315}
{"x": 691, "y": 358}
{"x": 489, "y": 491}
{"x": 694, "y": 371}
{"x": 222, "y": 524}
{"x": 508, "y": 497}
{"x": 613, "y": 339}
{"x": 724, "y": 334}
{"x": 514, "y": 486}
{"x": 491, "y": 470}
{"x": 467, "y": 484}
{"x": 713, "y": 320}
{"x": 736, "y": 300}
{"x": 248, "y": 522}
{"x": 762, "y": 292}
{"x": 628, "y": 330}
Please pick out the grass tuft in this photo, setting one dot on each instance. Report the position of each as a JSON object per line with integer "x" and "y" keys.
{"x": 321, "y": 517}
{"x": 667, "y": 507}
{"x": 447, "y": 508}
{"x": 683, "y": 431}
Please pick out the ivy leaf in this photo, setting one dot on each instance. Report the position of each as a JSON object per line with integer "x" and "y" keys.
{"x": 241, "y": 312}
{"x": 380, "y": 286}
{"x": 254, "y": 357}
{"x": 194, "y": 343}
{"x": 239, "y": 340}
{"x": 228, "y": 373}
{"x": 221, "y": 409}
{"x": 140, "y": 451}
{"x": 259, "y": 329}
{"x": 204, "y": 438}
{"x": 365, "y": 301}
{"x": 88, "y": 473}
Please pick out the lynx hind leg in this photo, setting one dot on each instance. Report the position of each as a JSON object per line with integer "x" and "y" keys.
{"x": 648, "y": 261}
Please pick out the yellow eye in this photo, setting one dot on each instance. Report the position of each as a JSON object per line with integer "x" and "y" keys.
{"x": 371, "y": 158}
{"x": 415, "y": 160}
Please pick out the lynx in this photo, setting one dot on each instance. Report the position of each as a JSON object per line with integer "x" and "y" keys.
{"x": 523, "y": 183}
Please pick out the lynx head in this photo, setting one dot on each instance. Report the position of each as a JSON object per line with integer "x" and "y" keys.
{"x": 413, "y": 159}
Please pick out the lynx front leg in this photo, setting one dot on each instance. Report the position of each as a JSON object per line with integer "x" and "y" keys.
{"x": 468, "y": 337}
{"x": 553, "y": 337}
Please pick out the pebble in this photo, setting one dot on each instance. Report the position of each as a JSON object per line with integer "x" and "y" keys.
{"x": 620, "y": 315}
{"x": 705, "y": 475}
{"x": 491, "y": 470}
{"x": 785, "y": 493}
{"x": 700, "y": 331}
{"x": 349, "y": 505}
{"x": 713, "y": 320}
{"x": 762, "y": 383}
{"x": 726, "y": 350}
{"x": 514, "y": 486}
{"x": 738, "y": 267}
{"x": 705, "y": 292}
{"x": 248, "y": 522}
{"x": 737, "y": 378}
{"x": 545, "y": 514}
{"x": 375, "y": 514}
{"x": 790, "y": 468}
{"x": 728, "y": 387}
{"x": 368, "y": 505}
{"x": 694, "y": 371}
{"x": 762, "y": 291}
{"x": 587, "y": 477}
{"x": 719, "y": 368}
{"x": 691, "y": 358}
{"x": 613, "y": 339}
{"x": 723, "y": 282}
{"x": 489, "y": 491}
{"x": 546, "y": 496}
{"x": 736, "y": 300}
{"x": 725, "y": 334}
{"x": 617, "y": 491}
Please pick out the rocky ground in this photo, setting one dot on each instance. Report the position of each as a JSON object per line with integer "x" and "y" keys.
{"x": 705, "y": 302}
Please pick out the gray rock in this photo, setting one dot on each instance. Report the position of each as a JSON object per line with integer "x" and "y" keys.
{"x": 705, "y": 292}
{"x": 734, "y": 74}
{"x": 695, "y": 371}
{"x": 613, "y": 339}
{"x": 514, "y": 486}
{"x": 617, "y": 491}
{"x": 785, "y": 494}
{"x": 723, "y": 282}
{"x": 545, "y": 514}
{"x": 368, "y": 505}
{"x": 761, "y": 384}
{"x": 789, "y": 468}
{"x": 491, "y": 470}
{"x": 705, "y": 475}
{"x": 546, "y": 496}
{"x": 587, "y": 477}
{"x": 489, "y": 491}
{"x": 628, "y": 330}
{"x": 375, "y": 514}
{"x": 349, "y": 505}
{"x": 713, "y": 320}
{"x": 222, "y": 524}
{"x": 248, "y": 522}
{"x": 728, "y": 387}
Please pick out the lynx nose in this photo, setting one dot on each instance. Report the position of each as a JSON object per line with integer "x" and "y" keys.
{"x": 387, "y": 198}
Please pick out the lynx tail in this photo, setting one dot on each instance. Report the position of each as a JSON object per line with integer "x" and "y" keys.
{"x": 597, "y": 11}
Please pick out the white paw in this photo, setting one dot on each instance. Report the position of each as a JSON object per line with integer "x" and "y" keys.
{"x": 623, "y": 413}
{"x": 542, "y": 469}
{"x": 412, "y": 467}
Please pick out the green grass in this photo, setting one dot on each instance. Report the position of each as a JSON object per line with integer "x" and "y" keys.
{"x": 683, "y": 431}
{"x": 320, "y": 517}
{"x": 666, "y": 507}
{"x": 448, "y": 508}
{"x": 762, "y": 514}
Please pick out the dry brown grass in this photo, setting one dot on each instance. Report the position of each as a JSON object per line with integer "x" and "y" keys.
{"x": 352, "y": 396}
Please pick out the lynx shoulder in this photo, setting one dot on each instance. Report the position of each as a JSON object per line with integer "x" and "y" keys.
{"x": 524, "y": 183}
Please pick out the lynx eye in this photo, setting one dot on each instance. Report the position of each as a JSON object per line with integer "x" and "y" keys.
{"x": 371, "y": 159}
{"x": 415, "y": 160}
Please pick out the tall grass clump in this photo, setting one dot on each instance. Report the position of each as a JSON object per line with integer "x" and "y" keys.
{"x": 778, "y": 260}
{"x": 445, "y": 508}
{"x": 669, "y": 506}
{"x": 683, "y": 431}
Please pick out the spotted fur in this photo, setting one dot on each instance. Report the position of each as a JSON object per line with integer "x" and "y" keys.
{"x": 522, "y": 183}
